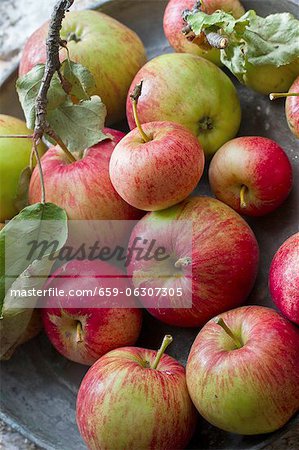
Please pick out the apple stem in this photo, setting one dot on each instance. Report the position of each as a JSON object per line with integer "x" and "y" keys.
{"x": 134, "y": 97}
{"x": 57, "y": 139}
{"x": 79, "y": 337}
{"x": 165, "y": 343}
{"x": 274, "y": 96}
{"x": 243, "y": 192}
{"x": 217, "y": 41}
{"x": 223, "y": 325}
{"x": 183, "y": 262}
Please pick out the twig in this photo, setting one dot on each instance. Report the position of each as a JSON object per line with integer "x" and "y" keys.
{"x": 35, "y": 149}
{"x": 51, "y": 67}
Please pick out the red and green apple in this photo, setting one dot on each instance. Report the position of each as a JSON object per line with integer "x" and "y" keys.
{"x": 251, "y": 174}
{"x": 284, "y": 278}
{"x": 243, "y": 371}
{"x": 134, "y": 398}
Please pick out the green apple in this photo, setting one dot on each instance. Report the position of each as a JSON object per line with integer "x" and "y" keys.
{"x": 14, "y": 157}
{"x": 268, "y": 78}
{"x": 108, "y": 49}
{"x": 192, "y": 91}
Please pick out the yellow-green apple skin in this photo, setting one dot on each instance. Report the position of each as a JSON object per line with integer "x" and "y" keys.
{"x": 268, "y": 78}
{"x": 173, "y": 24}
{"x": 14, "y": 157}
{"x": 111, "y": 51}
{"x": 197, "y": 94}
{"x": 252, "y": 387}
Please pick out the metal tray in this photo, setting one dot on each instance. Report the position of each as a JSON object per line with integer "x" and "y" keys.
{"x": 39, "y": 386}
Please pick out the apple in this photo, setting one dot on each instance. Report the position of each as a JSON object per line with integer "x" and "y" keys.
{"x": 111, "y": 51}
{"x": 292, "y": 106}
{"x": 14, "y": 157}
{"x": 134, "y": 398}
{"x": 268, "y": 78}
{"x": 284, "y": 278}
{"x": 197, "y": 95}
{"x": 251, "y": 174}
{"x": 243, "y": 371}
{"x": 83, "y": 188}
{"x": 157, "y": 165}
{"x": 209, "y": 264}
{"x": 81, "y": 327}
{"x": 173, "y": 24}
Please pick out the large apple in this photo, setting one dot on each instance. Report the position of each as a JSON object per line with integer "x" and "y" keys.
{"x": 112, "y": 52}
{"x": 284, "y": 278}
{"x": 86, "y": 327}
{"x": 83, "y": 188}
{"x": 14, "y": 157}
{"x": 243, "y": 371}
{"x": 134, "y": 399}
{"x": 251, "y": 174}
{"x": 209, "y": 264}
{"x": 174, "y": 23}
{"x": 192, "y": 91}
{"x": 159, "y": 172}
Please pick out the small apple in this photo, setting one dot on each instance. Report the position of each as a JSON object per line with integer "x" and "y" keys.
{"x": 208, "y": 267}
{"x": 157, "y": 165}
{"x": 133, "y": 398}
{"x": 14, "y": 157}
{"x": 111, "y": 51}
{"x": 251, "y": 174}
{"x": 197, "y": 95}
{"x": 292, "y": 106}
{"x": 84, "y": 328}
{"x": 173, "y": 24}
{"x": 243, "y": 371}
{"x": 83, "y": 188}
{"x": 284, "y": 278}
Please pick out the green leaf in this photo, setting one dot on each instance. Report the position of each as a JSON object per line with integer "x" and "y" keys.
{"x": 79, "y": 125}
{"x": 22, "y": 268}
{"x": 39, "y": 222}
{"x": 17, "y": 311}
{"x": 80, "y": 80}
{"x": 273, "y": 40}
{"x": 253, "y": 40}
{"x": 200, "y": 21}
{"x": 27, "y": 88}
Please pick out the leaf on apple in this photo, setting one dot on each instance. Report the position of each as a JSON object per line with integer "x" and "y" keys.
{"x": 41, "y": 222}
{"x": 80, "y": 125}
{"x": 252, "y": 39}
{"x": 76, "y": 117}
{"x": 28, "y": 86}
{"x": 79, "y": 78}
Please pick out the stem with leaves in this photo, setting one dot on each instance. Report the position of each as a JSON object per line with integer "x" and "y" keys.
{"x": 52, "y": 66}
